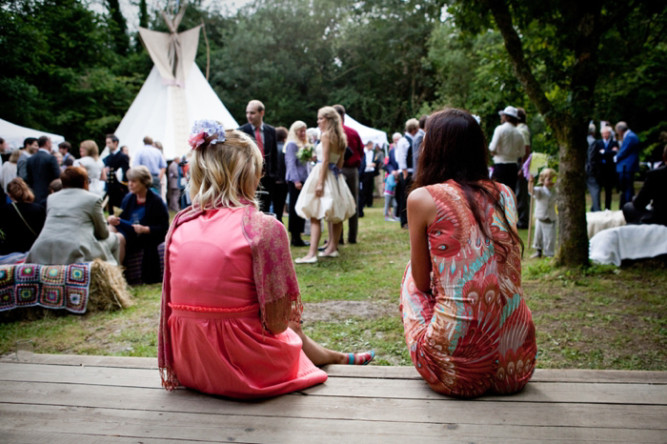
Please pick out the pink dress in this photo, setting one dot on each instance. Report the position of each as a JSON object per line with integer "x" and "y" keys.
{"x": 222, "y": 267}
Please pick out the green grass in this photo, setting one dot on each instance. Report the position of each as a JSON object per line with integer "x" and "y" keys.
{"x": 601, "y": 317}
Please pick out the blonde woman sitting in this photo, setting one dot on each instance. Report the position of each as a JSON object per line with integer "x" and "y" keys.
{"x": 230, "y": 319}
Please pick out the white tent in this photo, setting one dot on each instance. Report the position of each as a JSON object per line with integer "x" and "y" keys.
{"x": 15, "y": 134}
{"x": 174, "y": 96}
{"x": 366, "y": 133}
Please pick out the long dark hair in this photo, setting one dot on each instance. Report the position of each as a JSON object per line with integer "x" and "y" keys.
{"x": 454, "y": 148}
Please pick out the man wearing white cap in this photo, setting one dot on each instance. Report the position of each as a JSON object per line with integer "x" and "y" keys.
{"x": 507, "y": 147}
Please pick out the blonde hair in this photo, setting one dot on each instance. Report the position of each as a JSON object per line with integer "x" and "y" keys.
{"x": 224, "y": 174}
{"x": 334, "y": 128}
{"x": 291, "y": 135}
{"x": 546, "y": 172}
{"x": 91, "y": 148}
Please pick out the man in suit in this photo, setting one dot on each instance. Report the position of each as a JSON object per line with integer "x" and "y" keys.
{"x": 65, "y": 148}
{"x": 41, "y": 168}
{"x": 116, "y": 165}
{"x": 601, "y": 169}
{"x": 30, "y": 147}
{"x": 265, "y": 137}
{"x": 653, "y": 192}
{"x": 351, "y": 172}
{"x": 627, "y": 161}
{"x": 403, "y": 153}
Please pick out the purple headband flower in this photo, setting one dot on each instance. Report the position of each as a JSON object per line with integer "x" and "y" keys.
{"x": 203, "y": 129}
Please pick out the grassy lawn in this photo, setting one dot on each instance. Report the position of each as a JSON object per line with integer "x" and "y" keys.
{"x": 603, "y": 317}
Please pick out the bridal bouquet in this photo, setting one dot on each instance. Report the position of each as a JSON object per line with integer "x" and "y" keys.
{"x": 305, "y": 153}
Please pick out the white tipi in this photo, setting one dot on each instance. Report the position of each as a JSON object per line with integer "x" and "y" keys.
{"x": 175, "y": 94}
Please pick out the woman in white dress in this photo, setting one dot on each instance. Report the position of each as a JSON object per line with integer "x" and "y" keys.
{"x": 90, "y": 160}
{"x": 325, "y": 194}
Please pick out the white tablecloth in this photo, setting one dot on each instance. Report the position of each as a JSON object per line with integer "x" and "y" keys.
{"x": 629, "y": 242}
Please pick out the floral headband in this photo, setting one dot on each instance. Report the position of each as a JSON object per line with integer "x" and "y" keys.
{"x": 203, "y": 129}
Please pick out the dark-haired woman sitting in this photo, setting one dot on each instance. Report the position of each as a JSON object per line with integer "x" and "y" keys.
{"x": 75, "y": 230}
{"x": 467, "y": 326}
{"x": 21, "y": 220}
{"x": 143, "y": 223}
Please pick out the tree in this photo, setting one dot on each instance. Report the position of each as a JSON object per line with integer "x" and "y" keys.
{"x": 554, "y": 49}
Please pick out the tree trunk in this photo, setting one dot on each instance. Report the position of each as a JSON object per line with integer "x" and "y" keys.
{"x": 570, "y": 125}
{"x": 572, "y": 232}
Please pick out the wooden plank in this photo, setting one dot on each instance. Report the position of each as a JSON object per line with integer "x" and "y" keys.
{"x": 345, "y": 386}
{"x": 18, "y": 422}
{"x": 371, "y": 409}
{"x": 84, "y": 360}
{"x": 25, "y": 436}
{"x": 371, "y": 371}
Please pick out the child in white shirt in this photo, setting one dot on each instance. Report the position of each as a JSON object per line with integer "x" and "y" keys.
{"x": 545, "y": 213}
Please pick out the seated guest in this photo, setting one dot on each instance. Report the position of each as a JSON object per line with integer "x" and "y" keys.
{"x": 55, "y": 186}
{"x": 652, "y": 192}
{"x": 230, "y": 318}
{"x": 143, "y": 223}
{"x": 75, "y": 230}
{"x": 467, "y": 326}
{"x": 22, "y": 219}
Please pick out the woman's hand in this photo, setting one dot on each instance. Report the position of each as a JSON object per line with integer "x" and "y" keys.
{"x": 319, "y": 190}
{"x": 298, "y": 185}
{"x": 113, "y": 220}
{"x": 141, "y": 229}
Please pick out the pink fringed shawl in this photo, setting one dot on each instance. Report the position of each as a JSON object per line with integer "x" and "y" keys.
{"x": 273, "y": 272}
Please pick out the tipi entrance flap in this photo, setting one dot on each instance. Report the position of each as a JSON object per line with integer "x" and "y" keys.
{"x": 172, "y": 54}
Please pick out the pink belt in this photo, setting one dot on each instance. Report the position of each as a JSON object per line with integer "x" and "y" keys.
{"x": 196, "y": 311}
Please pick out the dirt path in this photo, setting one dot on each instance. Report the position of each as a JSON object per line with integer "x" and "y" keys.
{"x": 338, "y": 310}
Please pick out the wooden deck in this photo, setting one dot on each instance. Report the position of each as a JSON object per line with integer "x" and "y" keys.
{"x": 76, "y": 399}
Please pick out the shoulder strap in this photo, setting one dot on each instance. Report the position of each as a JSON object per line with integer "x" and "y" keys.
{"x": 24, "y": 221}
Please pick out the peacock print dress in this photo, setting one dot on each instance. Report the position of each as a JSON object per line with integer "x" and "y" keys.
{"x": 473, "y": 332}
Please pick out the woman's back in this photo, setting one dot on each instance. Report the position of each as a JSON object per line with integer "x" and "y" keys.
{"x": 219, "y": 343}
{"x": 474, "y": 333}
{"x": 203, "y": 271}
{"x": 75, "y": 230}
{"x": 21, "y": 225}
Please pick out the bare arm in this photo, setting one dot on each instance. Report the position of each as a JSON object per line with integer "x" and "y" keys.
{"x": 326, "y": 150}
{"x": 421, "y": 213}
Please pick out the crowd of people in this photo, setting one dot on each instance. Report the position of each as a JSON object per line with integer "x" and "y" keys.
{"x": 231, "y": 311}
{"x": 52, "y": 207}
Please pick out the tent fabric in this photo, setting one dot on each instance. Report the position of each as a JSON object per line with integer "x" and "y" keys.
{"x": 172, "y": 53}
{"x": 367, "y": 133}
{"x": 173, "y": 97}
{"x": 16, "y": 134}
{"x": 167, "y": 112}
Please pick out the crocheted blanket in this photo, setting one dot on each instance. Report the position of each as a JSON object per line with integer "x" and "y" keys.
{"x": 50, "y": 286}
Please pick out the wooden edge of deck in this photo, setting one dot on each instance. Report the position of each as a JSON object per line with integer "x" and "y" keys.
{"x": 370, "y": 371}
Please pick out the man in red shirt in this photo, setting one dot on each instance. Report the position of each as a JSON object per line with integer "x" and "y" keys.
{"x": 353, "y": 156}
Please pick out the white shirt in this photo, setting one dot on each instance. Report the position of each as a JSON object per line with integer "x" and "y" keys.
{"x": 369, "y": 154}
{"x": 401, "y": 154}
{"x": 545, "y": 203}
{"x": 507, "y": 144}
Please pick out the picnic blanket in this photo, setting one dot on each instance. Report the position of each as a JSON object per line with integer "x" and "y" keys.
{"x": 613, "y": 245}
{"x": 50, "y": 286}
{"x": 601, "y": 220}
